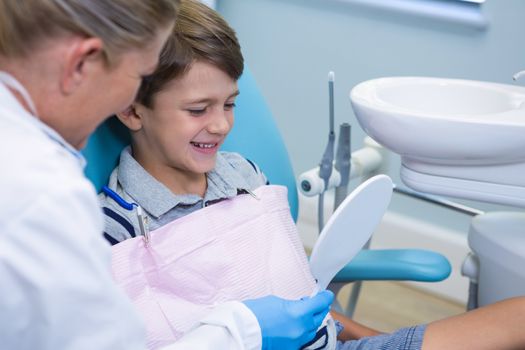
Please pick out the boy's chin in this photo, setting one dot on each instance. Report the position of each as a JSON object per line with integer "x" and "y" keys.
{"x": 204, "y": 169}
{"x": 202, "y": 164}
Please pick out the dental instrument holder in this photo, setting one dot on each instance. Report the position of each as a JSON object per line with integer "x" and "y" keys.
{"x": 366, "y": 161}
{"x": 326, "y": 164}
{"x": 342, "y": 163}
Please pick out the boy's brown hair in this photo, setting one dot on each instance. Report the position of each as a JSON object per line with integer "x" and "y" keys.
{"x": 200, "y": 34}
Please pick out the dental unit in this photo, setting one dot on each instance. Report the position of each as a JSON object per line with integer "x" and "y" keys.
{"x": 369, "y": 264}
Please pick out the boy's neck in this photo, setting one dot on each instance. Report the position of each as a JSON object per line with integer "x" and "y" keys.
{"x": 194, "y": 184}
{"x": 180, "y": 183}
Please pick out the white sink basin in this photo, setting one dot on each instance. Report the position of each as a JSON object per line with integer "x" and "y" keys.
{"x": 450, "y": 128}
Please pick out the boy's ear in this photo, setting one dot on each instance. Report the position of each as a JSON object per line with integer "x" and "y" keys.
{"x": 130, "y": 118}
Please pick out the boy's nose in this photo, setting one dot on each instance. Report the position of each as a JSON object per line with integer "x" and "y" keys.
{"x": 221, "y": 123}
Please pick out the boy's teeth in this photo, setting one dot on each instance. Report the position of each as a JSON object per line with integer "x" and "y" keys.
{"x": 204, "y": 145}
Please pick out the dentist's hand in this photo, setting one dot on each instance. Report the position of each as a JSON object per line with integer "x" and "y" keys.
{"x": 289, "y": 324}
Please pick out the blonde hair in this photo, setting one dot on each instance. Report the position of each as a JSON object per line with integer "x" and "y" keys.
{"x": 120, "y": 24}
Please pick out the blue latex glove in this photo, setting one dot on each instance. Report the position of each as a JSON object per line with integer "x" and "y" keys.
{"x": 289, "y": 324}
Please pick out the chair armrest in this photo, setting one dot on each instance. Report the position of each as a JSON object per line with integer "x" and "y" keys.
{"x": 395, "y": 264}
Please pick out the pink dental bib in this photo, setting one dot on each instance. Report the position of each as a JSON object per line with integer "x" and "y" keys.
{"x": 237, "y": 249}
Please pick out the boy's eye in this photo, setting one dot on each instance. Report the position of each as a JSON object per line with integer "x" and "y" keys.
{"x": 197, "y": 111}
{"x": 229, "y": 106}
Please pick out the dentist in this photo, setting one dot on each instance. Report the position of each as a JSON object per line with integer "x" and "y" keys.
{"x": 64, "y": 66}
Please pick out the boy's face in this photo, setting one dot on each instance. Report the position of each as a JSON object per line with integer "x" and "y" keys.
{"x": 189, "y": 121}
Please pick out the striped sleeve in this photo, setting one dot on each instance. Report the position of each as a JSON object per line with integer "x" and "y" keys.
{"x": 117, "y": 225}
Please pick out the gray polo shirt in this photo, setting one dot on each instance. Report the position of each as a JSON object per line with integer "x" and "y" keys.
{"x": 233, "y": 174}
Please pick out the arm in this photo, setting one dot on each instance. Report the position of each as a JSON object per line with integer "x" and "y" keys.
{"x": 352, "y": 330}
{"x": 494, "y": 326}
{"x": 230, "y": 326}
{"x": 265, "y": 323}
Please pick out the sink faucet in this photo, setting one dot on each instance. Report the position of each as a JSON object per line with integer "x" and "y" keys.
{"x": 518, "y": 75}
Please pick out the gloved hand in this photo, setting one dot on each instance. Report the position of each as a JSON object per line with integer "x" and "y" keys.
{"x": 289, "y": 324}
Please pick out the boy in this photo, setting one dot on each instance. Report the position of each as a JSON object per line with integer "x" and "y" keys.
{"x": 181, "y": 116}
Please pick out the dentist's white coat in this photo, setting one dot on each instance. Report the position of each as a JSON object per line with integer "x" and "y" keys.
{"x": 55, "y": 281}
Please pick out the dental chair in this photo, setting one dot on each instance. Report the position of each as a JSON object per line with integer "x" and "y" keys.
{"x": 255, "y": 135}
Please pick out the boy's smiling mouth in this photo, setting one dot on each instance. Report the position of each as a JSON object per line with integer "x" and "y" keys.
{"x": 204, "y": 145}
{"x": 208, "y": 148}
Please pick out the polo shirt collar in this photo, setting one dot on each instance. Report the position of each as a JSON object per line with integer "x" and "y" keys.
{"x": 157, "y": 199}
